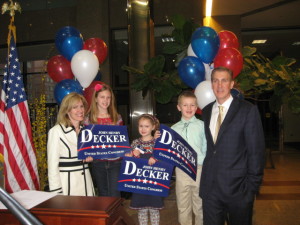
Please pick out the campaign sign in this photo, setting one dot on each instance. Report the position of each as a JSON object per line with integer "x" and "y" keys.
{"x": 103, "y": 141}
{"x": 172, "y": 148}
{"x": 137, "y": 176}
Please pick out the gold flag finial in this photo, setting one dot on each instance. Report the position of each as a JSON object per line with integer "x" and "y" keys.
{"x": 12, "y": 7}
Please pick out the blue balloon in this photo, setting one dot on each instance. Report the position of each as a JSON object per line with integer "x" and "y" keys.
{"x": 66, "y": 87}
{"x": 64, "y": 33}
{"x": 191, "y": 71}
{"x": 98, "y": 76}
{"x": 70, "y": 46}
{"x": 205, "y": 44}
{"x": 236, "y": 93}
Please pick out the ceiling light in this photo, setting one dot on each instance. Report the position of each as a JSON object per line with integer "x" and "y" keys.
{"x": 296, "y": 43}
{"x": 167, "y": 39}
{"x": 144, "y": 3}
{"x": 261, "y": 41}
{"x": 208, "y": 8}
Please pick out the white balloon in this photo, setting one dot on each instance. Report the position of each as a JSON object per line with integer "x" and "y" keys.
{"x": 204, "y": 94}
{"x": 85, "y": 66}
{"x": 190, "y": 51}
{"x": 208, "y": 69}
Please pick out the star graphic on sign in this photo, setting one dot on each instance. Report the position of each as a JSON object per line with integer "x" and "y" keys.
{"x": 114, "y": 146}
{"x": 103, "y": 146}
{"x": 92, "y": 146}
{"x": 109, "y": 146}
{"x": 97, "y": 146}
{"x": 139, "y": 180}
{"x": 133, "y": 180}
{"x": 145, "y": 181}
{"x": 178, "y": 155}
{"x": 169, "y": 150}
{"x": 155, "y": 182}
{"x": 150, "y": 181}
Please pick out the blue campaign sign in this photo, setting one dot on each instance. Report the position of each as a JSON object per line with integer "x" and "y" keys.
{"x": 138, "y": 177}
{"x": 172, "y": 148}
{"x": 103, "y": 141}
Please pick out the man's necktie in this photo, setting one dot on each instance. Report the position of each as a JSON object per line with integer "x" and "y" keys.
{"x": 219, "y": 122}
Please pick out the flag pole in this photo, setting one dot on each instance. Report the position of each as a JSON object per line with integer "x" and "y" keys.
{"x": 20, "y": 165}
{"x": 11, "y": 8}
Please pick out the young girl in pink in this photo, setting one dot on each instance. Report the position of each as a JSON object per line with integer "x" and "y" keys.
{"x": 105, "y": 172}
{"x": 143, "y": 148}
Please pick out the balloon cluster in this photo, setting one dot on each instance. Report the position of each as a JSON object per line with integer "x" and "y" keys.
{"x": 78, "y": 58}
{"x": 209, "y": 49}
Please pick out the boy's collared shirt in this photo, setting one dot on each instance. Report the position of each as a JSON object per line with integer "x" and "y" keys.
{"x": 192, "y": 131}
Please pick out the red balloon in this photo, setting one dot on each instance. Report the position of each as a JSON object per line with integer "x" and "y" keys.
{"x": 230, "y": 58}
{"x": 228, "y": 40}
{"x": 59, "y": 68}
{"x": 199, "y": 111}
{"x": 89, "y": 91}
{"x": 98, "y": 47}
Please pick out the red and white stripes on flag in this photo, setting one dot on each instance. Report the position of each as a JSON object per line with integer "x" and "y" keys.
{"x": 16, "y": 145}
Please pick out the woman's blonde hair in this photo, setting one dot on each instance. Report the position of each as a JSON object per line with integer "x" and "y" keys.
{"x": 112, "y": 109}
{"x": 66, "y": 105}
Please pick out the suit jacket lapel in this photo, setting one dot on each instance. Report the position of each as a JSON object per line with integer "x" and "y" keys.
{"x": 207, "y": 122}
{"x": 233, "y": 108}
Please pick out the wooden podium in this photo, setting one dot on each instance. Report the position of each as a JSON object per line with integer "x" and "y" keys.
{"x": 75, "y": 210}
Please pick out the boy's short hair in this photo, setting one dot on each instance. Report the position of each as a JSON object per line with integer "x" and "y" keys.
{"x": 186, "y": 94}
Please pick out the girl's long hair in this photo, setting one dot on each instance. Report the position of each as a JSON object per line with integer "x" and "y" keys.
{"x": 112, "y": 109}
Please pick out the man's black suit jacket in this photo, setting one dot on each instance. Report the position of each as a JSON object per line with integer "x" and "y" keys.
{"x": 234, "y": 164}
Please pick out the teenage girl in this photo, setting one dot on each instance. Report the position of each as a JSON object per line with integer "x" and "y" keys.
{"x": 143, "y": 148}
{"x": 105, "y": 172}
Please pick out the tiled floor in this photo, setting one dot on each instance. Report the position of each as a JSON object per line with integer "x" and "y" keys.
{"x": 278, "y": 202}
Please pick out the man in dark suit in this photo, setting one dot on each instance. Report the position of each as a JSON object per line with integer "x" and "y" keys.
{"x": 233, "y": 167}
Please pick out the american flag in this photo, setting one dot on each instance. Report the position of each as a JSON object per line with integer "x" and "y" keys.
{"x": 16, "y": 146}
